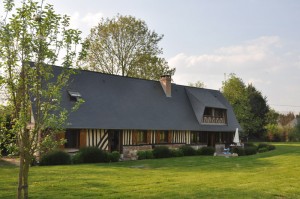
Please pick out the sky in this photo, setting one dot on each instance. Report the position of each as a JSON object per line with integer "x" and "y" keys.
{"x": 206, "y": 40}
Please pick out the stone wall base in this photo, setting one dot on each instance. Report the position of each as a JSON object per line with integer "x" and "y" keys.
{"x": 130, "y": 152}
{"x": 198, "y": 146}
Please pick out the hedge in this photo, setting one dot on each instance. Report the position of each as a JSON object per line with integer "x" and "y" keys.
{"x": 55, "y": 158}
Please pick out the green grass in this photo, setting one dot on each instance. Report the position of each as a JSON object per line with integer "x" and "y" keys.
{"x": 274, "y": 174}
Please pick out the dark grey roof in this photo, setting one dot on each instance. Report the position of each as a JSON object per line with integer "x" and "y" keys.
{"x": 115, "y": 102}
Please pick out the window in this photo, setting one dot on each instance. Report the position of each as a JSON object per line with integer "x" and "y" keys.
{"x": 214, "y": 116}
{"x": 163, "y": 136}
{"x": 203, "y": 136}
{"x": 195, "y": 137}
{"x": 220, "y": 112}
{"x": 142, "y": 137}
{"x": 208, "y": 111}
{"x": 72, "y": 137}
{"x": 74, "y": 95}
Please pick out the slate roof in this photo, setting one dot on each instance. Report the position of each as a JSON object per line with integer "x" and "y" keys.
{"x": 116, "y": 102}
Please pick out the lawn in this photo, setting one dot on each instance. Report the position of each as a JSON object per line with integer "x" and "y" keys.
{"x": 274, "y": 174}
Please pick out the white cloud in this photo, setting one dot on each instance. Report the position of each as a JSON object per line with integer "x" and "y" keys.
{"x": 251, "y": 51}
{"x": 92, "y": 19}
{"x": 86, "y": 22}
{"x": 264, "y": 62}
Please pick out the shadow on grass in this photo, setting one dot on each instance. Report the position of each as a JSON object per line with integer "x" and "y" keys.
{"x": 8, "y": 162}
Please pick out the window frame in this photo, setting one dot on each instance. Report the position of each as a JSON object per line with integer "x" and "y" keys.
{"x": 141, "y": 137}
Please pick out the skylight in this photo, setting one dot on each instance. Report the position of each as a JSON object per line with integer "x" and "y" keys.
{"x": 74, "y": 95}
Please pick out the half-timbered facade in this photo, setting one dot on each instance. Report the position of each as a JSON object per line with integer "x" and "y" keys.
{"x": 129, "y": 114}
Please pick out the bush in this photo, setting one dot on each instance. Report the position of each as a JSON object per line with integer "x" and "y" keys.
{"x": 145, "y": 155}
{"x": 55, "y": 158}
{"x": 76, "y": 158}
{"x": 149, "y": 154}
{"x": 271, "y": 147}
{"x": 250, "y": 150}
{"x": 92, "y": 155}
{"x": 187, "y": 150}
{"x": 239, "y": 151}
{"x": 249, "y": 144}
{"x": 161, "y": 152}
{"x": 176, "y": 153}
{"x": 141, "y": 155}
{"x": 263, "y": 149}
{"x": 206, "y": 151}
{"x": 114, "y": 156}
{"x": 264, "y": 145}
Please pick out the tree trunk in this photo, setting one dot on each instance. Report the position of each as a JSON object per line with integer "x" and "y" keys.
{"x": 25, "y": 177}
{"x": 20, "y": 182}
{"x": 25, "y": 159}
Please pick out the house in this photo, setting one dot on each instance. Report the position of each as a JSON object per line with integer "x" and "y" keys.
{"x": 129, "y": 114}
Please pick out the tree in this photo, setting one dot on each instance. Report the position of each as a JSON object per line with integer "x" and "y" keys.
{"x": 34, "y": 32}
{"x": 272, "y": 132}
{"x": 235, "y": 91}
{"x": 124, "y": 46}
{"x": 7, "y": 137}
{"x": 272, "y": 116}
{"x": 259, "y": 110}
{"x": 284, "y": 119}
{"x": 197, "y": 84}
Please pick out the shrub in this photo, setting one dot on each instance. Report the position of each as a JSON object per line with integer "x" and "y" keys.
{"x": 76, "y": 158}
{"x": 161, "y": 152}
{"x": 187, "y": 150}
{"x": 271, "y": 147}
{"x": 176, "y": 153}
{"x": 55, "y": 158}
{"x": 145, "y": 155}
{"x": 92, "y": 155}
{"x": 239, "y": 151}
{"x": 249, "y": 144}
{"x": 206, "y": 151}
{"x": 268, "y": 146}
{"x": 250, "y": 150}
{"x": 263, "y": 149}
{"x": 149, "y": 154}
{"x": 114, "y": 156}
{"x": 141, "y": 155}
{"x": 262, "y": 145}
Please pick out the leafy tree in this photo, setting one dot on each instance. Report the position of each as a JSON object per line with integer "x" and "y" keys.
{"x": 235, "y": 91}
{"x": 272, "y": 117}
{"x": 123, "y": 45}
{"x": 197, "y": 84}
{"x": 295, "y": 133}
{"x": 272, "y": 132}
{"x": 34, "y": 32}
{"x": 284, "y": 119}
{"x": 7, "y": 137}
{"x": 259, "y": 110}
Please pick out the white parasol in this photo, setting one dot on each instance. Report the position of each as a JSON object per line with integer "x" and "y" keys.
{"x": 236, "y": 138}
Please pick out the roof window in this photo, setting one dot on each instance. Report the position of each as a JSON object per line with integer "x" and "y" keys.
{"x": 74, "y": 95}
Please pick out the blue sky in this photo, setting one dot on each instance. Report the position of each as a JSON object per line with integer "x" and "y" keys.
{"x": 258, "y": 40}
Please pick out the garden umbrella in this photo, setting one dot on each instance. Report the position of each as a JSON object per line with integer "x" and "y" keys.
{"x": 236, "y": 138}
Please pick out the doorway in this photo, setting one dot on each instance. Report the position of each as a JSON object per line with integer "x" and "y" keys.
{"x": 115, "y": 140}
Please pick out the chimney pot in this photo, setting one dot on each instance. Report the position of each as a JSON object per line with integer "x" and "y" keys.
{"x": 165, "y": 82}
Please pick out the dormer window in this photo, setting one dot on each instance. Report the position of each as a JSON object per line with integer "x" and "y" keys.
{"x": 214, "y": 116}
{"x": 74, "y": 95}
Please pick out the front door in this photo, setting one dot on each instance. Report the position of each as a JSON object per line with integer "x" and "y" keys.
{"x": 211, "y": 139}
{"x": 115, "y": 140}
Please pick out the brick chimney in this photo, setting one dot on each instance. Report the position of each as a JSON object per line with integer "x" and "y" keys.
{"x": 165, "y": 82}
